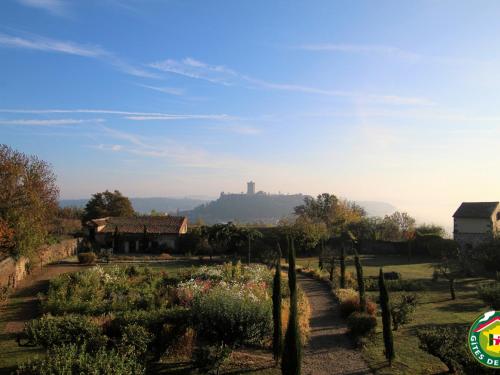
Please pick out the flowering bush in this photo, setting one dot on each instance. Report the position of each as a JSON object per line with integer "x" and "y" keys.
{"x": 98, "y": 291}
{"x": 232, "y": 315}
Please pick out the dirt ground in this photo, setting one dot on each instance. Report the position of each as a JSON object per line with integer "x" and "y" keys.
{"x": 22, "y": 304}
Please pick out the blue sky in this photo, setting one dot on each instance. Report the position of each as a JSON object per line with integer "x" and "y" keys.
{"x": 388, "y": 100}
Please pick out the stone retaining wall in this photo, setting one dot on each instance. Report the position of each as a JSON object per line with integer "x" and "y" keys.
{"x": 12, "y": 271}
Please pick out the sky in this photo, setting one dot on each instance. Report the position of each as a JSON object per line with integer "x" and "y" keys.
{"x": 392, "y": 101}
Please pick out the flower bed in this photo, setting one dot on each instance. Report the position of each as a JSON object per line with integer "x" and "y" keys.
{"x": 142, "y": 314}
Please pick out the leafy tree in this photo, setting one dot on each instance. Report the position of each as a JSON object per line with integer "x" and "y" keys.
{"x": 292, "y": 349}
{"x": 222, "y": 237}
{"x": 430, "y": 229}
{"x": 277, "y": 333}
{"x": 306, "y": 233}
{"x": 74, "y": 213}
{"x": 448, "y": 269}
{"x": 7, "y": 243}
{"x": 386, "y": 319}
{"x": 106, "y": 204}
{"x": 361, "y": 282}
{"x": 248, "y": 235}
{"x": 326, "y": 208}
{"x": 398, "y": 226}
{"x": 28, "y": 199}
{"x": 402, "y": 309}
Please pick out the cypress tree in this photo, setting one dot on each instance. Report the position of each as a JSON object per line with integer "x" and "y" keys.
{"x": 320, "y": 263}
{"x": 386, "y": 319}
{"x": 332, "y": 268}
{"x": 361, "y": 282}
{"x": 277, "y": 334}
{"x": 342, "y": 267}
{"x": 292, "y": 350}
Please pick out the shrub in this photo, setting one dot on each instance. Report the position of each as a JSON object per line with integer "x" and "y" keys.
{"x": 448, "y": 344}
{"x": 71, "y": 359}
{"x": 402, "y": 309}
{"x": 100, "y": 290}
{"x": 153, "y": 321}
{"x": 401, "y": 285}
{"x": 87, "y": 258}
{"x": 223, "y": 315}
{"x": 343, "y": 294}
{"x": 135, "y": 340}
{"x": 392, "y": 276}
{"x": 209, "y": 358}
{"x": 51, "y": 331}
{"x": 488, "y": 255}
{"x": 361, "y": 323}
{"x": 490, "y": 294}
{"x": 351, "y": 304}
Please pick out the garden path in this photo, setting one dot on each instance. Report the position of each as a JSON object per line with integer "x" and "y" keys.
{"x": 22, "y": 304}
{"x": 329, "y": 350}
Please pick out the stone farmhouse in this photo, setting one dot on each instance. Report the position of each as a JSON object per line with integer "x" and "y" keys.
{"x": 138, "y": 234}
{"x": 476, "y": 223}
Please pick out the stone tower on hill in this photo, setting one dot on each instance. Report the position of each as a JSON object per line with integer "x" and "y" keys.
{"x": 250, "y": 188}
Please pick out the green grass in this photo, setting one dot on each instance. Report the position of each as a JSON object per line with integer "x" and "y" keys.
{"x": 434, "y": 307}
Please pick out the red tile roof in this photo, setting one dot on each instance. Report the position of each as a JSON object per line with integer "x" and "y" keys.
{"x": 153, "y": 224}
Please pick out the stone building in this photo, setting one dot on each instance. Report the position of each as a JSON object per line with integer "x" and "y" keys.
{"x": 138, "y": 234}
{"x": 476, "y": 223}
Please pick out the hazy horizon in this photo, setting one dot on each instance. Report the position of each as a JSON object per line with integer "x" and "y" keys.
{"x": 373, "y": 101}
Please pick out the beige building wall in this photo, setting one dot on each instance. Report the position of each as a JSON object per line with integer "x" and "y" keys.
{"x": 467, "y": 225}
{"x": 496, "y": 222}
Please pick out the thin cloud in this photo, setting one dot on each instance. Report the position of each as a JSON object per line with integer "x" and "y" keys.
{"x": 43, "y": 44}
{"x": 49, "y": 122}
{"x": 55, "y": 7}
{"x": 220, "y": 74}
{"x": 196, "y": 69}
{"x": 173, "y": 151}
{"x": 238, "y": 129}
{"x": 129, "y": 115}
{"x": 166, "y": 90}
{"x": 179, "y": 117}
{"x": 368, "y": 49}
{"x": 51, "y": 45}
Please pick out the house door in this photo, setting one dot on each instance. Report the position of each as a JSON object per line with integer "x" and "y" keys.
{"x": 133, "y": 248}
{"x": 126, "y": 247}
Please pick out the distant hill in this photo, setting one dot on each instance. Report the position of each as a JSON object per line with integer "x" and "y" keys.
{"x": 263, "y": 208}
{"x": 246, "y": 208}
{"x": 145, "y": 205}
{"x": 241, "y": 208}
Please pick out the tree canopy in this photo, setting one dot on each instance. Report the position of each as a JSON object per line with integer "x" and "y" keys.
{"x": 336, "y": 214}
{"x": 28, "y": 200}
{"x": 106, "y": 204}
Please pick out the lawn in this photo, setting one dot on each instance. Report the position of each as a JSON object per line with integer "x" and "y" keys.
{"x": 434, "y": 307}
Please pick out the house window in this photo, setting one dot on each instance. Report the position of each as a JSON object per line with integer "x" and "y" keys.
{"x": 498, "y": 215}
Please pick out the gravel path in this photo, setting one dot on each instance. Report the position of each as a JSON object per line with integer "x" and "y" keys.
{"x": 329, "y": 350}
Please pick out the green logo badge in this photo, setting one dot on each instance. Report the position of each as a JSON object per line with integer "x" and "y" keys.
{"x": 484, "y": 339}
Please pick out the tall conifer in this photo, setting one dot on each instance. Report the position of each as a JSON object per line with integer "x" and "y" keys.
{"x": 386, "y": 319}
{"x": 277, "y": 334}
{"x": 292, "y": 350}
